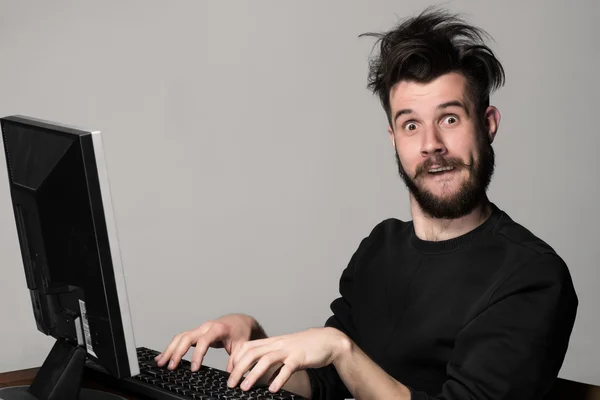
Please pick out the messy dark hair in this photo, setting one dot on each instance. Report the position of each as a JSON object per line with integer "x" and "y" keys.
{"x": 422, "y": 48}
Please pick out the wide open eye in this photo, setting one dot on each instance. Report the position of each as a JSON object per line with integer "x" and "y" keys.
{"x": 410, "y": 126}
{"x": 450, "y": 119}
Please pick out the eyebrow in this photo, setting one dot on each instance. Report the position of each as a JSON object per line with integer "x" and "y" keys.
{"x": 453, "y": 103}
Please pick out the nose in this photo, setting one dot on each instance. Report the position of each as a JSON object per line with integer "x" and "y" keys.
{"x": 432, "y": 143}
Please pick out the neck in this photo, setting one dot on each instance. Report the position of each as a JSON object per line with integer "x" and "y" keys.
{"x": 433, "y": 229}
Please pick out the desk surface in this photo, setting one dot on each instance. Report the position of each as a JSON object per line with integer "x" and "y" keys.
{"x": 18, "y": 378}
{"x": 26, "y": 376}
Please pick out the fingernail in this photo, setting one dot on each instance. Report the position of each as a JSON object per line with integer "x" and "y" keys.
{"x": 230, "y": 383}
{"x": 246, "y": 385}
{"x": 272, "y": 387}
{"x": 157, "y": 357}
{"x": 171, "y": 364}
{"x": 194, "y": 365}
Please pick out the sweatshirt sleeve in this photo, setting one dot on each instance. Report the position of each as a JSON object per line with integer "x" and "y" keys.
{"x": 515, "y": 348}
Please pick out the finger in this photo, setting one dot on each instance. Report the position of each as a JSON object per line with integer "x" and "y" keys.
{"x": 274, "y": 374}
{"x": 282, "y": 377}
{"x": 234, "y": 351}
{"x": 249, "y": 346}
{"x": 261, "y": 367}
{"x": 245, "y": 363}
{"x": 237, "y": 356}
{"x": 229, "y": 363}
{"x": 185, "y": 342}
{"x": 165, "y": 356}
{"x": 215, "y": 333}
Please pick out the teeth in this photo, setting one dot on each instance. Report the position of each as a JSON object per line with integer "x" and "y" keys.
{"x": 441, "y": 169}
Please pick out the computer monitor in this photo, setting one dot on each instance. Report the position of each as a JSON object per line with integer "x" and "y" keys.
{"x": 68, "y": 239}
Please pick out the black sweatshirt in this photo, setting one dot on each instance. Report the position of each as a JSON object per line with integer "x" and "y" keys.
{"x": 486, "y": 315}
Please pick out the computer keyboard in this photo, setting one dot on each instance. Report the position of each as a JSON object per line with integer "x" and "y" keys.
{"x": 208, "y": 383}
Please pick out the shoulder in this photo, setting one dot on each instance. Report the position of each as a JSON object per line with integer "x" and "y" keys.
{"x": 388, "y": 233}
{"x": 391, "y": 227}
{"x": 530, "y": 260}
{"x": 519, "y": 237}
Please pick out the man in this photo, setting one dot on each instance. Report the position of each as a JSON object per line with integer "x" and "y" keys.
{"x": 460, "y": 303}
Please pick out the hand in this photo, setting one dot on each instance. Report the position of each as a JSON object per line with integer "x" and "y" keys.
{"x": 314, "y": 348}
{"x": 229, "y": 332}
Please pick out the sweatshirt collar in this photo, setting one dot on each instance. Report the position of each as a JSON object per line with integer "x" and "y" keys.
{"x": 441, "y": 246}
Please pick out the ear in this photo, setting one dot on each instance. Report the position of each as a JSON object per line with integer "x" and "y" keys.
{"x": 492, "y": 122}
{"x": 392, "y": 138}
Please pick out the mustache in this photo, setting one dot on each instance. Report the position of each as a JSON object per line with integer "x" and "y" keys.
{"x": 441, "y": 162}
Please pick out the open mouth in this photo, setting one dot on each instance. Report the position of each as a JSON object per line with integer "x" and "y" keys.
{"x": 440, "y": 170}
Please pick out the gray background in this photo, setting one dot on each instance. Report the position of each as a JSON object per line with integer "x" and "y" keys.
{"x": 247, "y": 160}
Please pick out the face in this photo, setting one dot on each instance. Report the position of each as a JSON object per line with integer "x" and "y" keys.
{"x": 444, "y": 155}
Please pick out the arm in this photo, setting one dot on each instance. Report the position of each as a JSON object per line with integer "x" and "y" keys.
{"x": 324, "y": 383}
{"x": 364, "y": 378}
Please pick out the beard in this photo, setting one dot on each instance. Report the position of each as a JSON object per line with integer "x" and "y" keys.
{"x": 471, "y": 193}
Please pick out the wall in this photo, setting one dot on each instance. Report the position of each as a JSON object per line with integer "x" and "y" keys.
{"x": 247, "y": 159}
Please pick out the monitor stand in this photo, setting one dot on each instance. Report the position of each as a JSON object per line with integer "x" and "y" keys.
{"x": 59, "y": 378}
